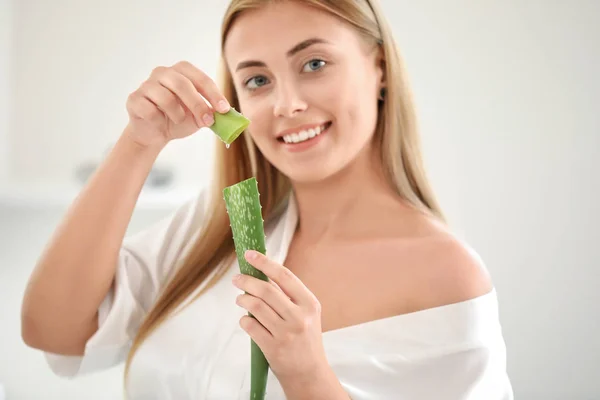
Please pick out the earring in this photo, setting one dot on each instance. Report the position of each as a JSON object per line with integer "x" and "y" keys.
{"x": 382, "y": 93}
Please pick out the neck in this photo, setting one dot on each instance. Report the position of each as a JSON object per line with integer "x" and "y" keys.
{"x": 343, "y": 202}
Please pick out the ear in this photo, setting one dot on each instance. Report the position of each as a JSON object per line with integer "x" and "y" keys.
{"x": 380, "y": 67}
{"x": 382, "y": 64}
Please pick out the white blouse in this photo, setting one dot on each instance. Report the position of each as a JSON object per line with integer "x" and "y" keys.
{"x": 453, "y": 352}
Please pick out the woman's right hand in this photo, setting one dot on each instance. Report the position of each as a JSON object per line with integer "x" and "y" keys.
{"x": 170, "y": 105}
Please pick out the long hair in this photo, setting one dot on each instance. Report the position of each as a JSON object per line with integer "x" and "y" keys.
{"x": 396, "y": 138}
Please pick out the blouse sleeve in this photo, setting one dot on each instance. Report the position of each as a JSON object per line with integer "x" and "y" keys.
{"x": 146, "y": 260}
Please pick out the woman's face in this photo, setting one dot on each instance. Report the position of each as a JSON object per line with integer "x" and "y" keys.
{"x": 308, "y": 83}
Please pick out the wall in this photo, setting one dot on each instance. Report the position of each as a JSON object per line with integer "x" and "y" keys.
{"x": 506, "y": 92}
{"x": 76, "y": 63}
{"x": 6, "y": 41}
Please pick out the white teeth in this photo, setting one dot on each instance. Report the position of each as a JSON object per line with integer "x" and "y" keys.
{"x": 303, "y": 135}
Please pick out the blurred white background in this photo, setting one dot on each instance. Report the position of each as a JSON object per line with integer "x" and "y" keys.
{"x": 507, "y": 93}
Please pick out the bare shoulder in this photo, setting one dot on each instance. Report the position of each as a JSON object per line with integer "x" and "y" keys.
{"x": 444, "y": 268}
{"x": 455, "y": 270}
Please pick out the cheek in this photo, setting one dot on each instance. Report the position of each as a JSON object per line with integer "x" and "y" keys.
{"x": 259, "y": 116}
{"x": 352, "y": 95}
{"x": 356, "y": 109}
{"x": 340, "y": 98}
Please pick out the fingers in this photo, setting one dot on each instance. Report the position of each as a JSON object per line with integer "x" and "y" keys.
{"x": 267, "y": 292}
{"x": 289, "y": 283}
{"x": 261, "y": 311}
{"x": 181, "y": 88}
{"x": 186, "y": 92}
{"x": 261, "y": 336}
{"x": 142, "y": 108}
{"x": 164, "y": 99}
{"x": 203, "y": 84}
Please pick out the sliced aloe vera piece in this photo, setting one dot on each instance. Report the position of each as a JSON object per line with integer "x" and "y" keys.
{"x": 229, "y": 126}
{"x": 242, "y": 201}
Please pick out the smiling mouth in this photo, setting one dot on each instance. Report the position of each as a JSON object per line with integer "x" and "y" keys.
{"x": 304, "y": 135}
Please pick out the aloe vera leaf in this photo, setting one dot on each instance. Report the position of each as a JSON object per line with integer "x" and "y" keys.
{"x": 242, "y": 201}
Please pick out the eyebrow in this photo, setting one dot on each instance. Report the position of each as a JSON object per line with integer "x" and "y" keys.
{"x": 296, "y": 49}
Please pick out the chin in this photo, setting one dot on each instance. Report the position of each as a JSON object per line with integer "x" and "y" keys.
{"x": 312, "y": 173}
{"x": 308, "y": 177}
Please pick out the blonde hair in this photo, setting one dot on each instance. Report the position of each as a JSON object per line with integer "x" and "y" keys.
{"x": 396, "y": 137}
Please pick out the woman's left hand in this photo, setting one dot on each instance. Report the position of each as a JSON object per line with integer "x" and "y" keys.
{"x": 287, "y": 327}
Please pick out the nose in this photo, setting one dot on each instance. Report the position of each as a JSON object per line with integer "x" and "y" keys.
{"x": 288, "y": 100}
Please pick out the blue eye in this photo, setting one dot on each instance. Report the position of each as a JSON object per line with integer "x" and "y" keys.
{"x": 314, "y": 65}
{"x": 258, "y": 81}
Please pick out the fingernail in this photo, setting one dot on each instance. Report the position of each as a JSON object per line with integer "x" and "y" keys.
{"x": 208, "y": 119}
{"x": 223, "y": 106}
{"x": 250, "y": 254}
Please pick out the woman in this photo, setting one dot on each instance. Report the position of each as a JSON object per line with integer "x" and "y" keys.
{"x": 371, "y": 294}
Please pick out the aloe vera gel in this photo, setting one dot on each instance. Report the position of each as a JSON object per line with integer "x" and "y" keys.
{"x": 229, "y": 126}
